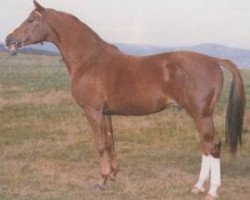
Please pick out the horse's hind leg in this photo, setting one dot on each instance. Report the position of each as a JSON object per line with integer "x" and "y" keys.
{"x": 111, "y": 146}
{"x": 210, "y": 166}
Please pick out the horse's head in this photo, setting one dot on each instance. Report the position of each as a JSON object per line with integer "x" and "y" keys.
{"x": 33, "y": 30}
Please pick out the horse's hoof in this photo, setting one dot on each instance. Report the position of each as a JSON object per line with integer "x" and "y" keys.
{"x": 196, "y": 190}
{"x": 210, "y": 197}
{"x": 112, "y": 176}
{"x": 98, "y": 187}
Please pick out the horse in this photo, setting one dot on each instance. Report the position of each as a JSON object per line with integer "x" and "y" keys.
{"x": 105, "y": 82}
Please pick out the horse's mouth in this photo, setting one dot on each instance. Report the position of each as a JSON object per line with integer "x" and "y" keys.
{"x": 15, "y": 46}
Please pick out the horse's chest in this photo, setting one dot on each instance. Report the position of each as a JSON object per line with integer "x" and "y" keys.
{"x": 88, "y": 92}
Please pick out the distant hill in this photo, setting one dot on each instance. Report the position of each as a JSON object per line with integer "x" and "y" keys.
{"x": 240, "y": 56}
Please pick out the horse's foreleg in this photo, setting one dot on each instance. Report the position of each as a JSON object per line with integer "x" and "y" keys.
{"x": 97, "y": 123}
{"x": 210, "y": 159}
{"x": 111, "y": 146}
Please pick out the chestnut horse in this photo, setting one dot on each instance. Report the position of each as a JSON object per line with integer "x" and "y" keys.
{"x": 106, "y": 82}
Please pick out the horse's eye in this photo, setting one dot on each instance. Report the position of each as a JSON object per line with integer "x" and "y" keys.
{"x": 30, "y": 20}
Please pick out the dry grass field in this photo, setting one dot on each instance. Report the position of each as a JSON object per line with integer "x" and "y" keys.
{"x": 47, "y": 151}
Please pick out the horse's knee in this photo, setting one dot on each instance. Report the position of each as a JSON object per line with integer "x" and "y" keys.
{"x": 101, "y": 148}
{"x": 104, "y": 146}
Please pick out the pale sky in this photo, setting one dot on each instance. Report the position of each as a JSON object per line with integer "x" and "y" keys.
{"x": 156, "y": 22}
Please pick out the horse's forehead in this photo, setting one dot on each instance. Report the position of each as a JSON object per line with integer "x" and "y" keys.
{"x": 33, "y": 12}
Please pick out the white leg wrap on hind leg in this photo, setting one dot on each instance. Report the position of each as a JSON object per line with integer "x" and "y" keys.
{"x": 204, "y": 173}
{"x": 215, "y": 176}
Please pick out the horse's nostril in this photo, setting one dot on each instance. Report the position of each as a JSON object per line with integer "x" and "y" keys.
{"x": 19, "y": 44}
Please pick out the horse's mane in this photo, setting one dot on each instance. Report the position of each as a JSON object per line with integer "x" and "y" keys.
{"x": 93, "y": 33}
{"x": 76, "y": 20}
{"x": 73, "y": 20}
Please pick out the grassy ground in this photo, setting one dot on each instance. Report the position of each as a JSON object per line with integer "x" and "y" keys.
{"x": 47, "y": 151}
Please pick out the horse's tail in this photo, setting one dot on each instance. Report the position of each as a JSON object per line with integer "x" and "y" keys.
{"x": 236, "y": 106}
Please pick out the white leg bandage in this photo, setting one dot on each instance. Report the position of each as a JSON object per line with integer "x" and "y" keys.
{"x": 204, "y": 173}
{"x": 215, "y": 176}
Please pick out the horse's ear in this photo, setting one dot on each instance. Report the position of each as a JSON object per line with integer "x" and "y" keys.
{"x": 38, "y": 7}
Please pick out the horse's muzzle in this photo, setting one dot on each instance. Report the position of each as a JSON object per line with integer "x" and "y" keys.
{"x": 12, "y": 43}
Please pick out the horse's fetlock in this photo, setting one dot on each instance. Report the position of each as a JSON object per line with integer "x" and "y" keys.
{"x": 208, "y": 137}
{"x": 215, "y": 152}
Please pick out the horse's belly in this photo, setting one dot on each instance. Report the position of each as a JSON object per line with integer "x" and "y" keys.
{"x": 135, "y": 107}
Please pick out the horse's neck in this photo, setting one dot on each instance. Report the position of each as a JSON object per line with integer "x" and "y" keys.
{"x": 77, "y": 43}
{"x": 77, "y": 52}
